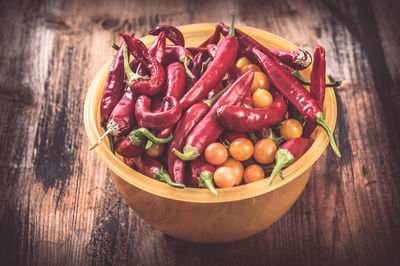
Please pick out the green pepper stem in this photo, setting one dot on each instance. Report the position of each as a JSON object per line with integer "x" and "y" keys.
{"x": 206, "y": 180}
{"x": 137, "y": 137}
{"x": 129, "y": 73}
{"x": 232, "y": 27}
{"x": 100, "y": 139}
{"x": 204, "y": 65}
{"x": 185, "y": 62}
{"x": 110, "y": 139}
{"x": 163, "y": 176}
{"x": 283, "y": 159}
{"x": 303, "y": 81}
{"x": 321, "y": 122}
{"x": 211, "y": 101}
{"x": 189, "y": 153}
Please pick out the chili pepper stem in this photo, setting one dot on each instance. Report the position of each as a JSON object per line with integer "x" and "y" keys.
{"x": 303, "y": 81}
{"x": 137, "y": 137}
{"x": 283, "y": 159}
{"x": 115, "y": 46}
{"x": 232, "y": 27}
{"x": 189, "y": 153}
{"x": 211, "y": 101}
{"x": 129, "y": 73}
{"x": 321, "y": 122}
{"x": 100, "y": 139}
{"x": 206, "y": 180}
{"x": 185, "y": 61}
{"x": 162, "y": 175}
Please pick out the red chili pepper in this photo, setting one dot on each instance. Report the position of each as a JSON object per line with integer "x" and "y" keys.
{"x": 115, "y": 85}
{"x": 244, "y": 119}
{"x": 137, "y": 84}
{"x": 176, "y": 83}
{"x": 212, "y": 50}
{"x": 297, "y": 59}
{"x": 292, "y": 89}
{"x": 209, "y": 129}
{"x": 189, "y": 120}
{"x": 224, "y": 59}
{"x": 154, "y": 169}
{"x": 122, "y": 118}
{"x": 288, "y": 153}
{"x": 203, "y": 174}
{"x": 213, "y": 39}
{"x": 176, "y": 53}
{"x": 173, "y": 34}
{"x": 133, "y": 145}
{"x": 157, "y": 103}
{"x": 317, "y": 87}
{"x": 160, "y": 120}
{"x": 247, "y": 43}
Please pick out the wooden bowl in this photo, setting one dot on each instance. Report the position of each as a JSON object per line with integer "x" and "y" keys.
{"x": 195, "y": 214}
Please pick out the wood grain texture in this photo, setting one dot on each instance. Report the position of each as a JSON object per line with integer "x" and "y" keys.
{"x": 58, "y": 205}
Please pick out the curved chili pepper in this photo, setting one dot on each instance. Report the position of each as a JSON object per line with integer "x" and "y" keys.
{"x": 157, "y": 103}
{"x": 189, "y": 120}
{"x": 224, "y": 59}
{"x": 288, "y": 153}
{"x": 160, "y": 120}
{"x": 297, "y": 59}
{"x": 139, "y": 51}
{"x": 133, "y": 145}
{"x": 173, "y": 34}
{"x": 154, "y": 169}
{"x": 292, "y": 89}
{"x": 175, "y": 83}
{"x": 122, "y": 118}
{"x": 213, "y": 39}
{"x": 244, "y": 119}
{"x": 115, "y": 85}
{"x": 177, "y": 53}
{"x": 209, "y": 129}
{"x": 317, "y": 87}
{"x": 203, "y": 174}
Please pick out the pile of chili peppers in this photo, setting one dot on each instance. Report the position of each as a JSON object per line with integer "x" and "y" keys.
{"x": 169, "y": 105}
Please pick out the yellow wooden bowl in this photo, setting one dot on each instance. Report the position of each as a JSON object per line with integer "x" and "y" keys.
{"x": 195, "y": 214}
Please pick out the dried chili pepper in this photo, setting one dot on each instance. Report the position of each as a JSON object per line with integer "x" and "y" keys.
{"x": 115, "y": 85}
{"x": 138, "y": 85}
{"x": 317, "y": 87}
{"x": 209, "y": 129}
{"x": 224, "y": 59}
{"x": 172, "y": 33}
{"x": 219, "y": 87}
{"x": 133, "y": 145}
{"x": 153, "y": 168}
{"x": 160, "y": 120}
{"x": 203, "y": 174}
{"x": 122, "y": 119}
{"x": 175, "y": 84}
{"x": 198, "y": 61}
{"x": 292, "y": 89}
{"x": 297, "y": 59}
{"x": 288, "y": 153}
{"x": 189, "y": 120}
{"x": 247, "y": 100}
{"x": 244, "y": 119}
{"x": 177, "y": 53}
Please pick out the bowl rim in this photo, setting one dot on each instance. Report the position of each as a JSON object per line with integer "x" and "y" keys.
{"x": 196, "y": 195}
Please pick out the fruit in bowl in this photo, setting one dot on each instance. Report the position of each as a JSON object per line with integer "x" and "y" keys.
{"x": 192, "y": 213}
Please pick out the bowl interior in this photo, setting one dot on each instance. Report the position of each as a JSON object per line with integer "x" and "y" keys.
{"x": 194, "y": 35}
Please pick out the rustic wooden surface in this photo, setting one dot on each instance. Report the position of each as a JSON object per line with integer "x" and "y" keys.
{"x": 58, "y": 204}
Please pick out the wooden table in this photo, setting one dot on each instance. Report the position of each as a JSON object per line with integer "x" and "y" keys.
{"x": 58, "y": 204}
